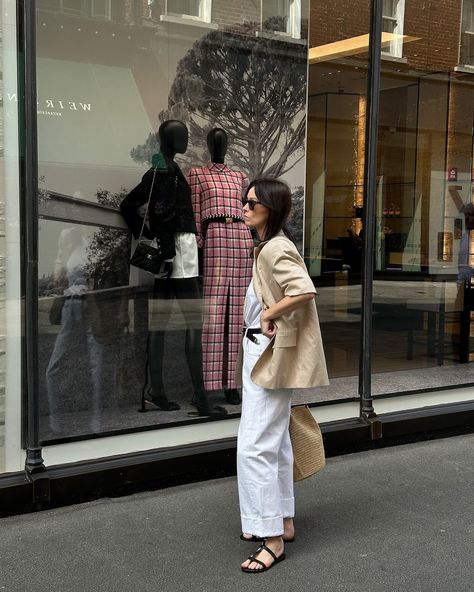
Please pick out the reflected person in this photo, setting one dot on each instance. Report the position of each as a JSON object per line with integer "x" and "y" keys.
{"x": 466, "y": 255}
{"x": 465, "y": 274}
{"x": 80, "y": 332}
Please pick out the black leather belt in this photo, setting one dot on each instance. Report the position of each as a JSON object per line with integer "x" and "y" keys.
{"x": 250, "y": 334}
{"x": 225, "y": 219}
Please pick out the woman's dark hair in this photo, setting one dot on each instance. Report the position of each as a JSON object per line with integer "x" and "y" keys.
{"x": 276, "y": 196}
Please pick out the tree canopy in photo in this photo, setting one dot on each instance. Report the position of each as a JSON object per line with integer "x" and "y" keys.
{"x": 252, "y": 87}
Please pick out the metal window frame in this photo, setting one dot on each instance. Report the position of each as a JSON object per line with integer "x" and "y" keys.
{"x": 26, "y": 9}
{"x": 367, "y": 411}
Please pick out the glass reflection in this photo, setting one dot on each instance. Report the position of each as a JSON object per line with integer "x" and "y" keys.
{"x": 109, "y": 74}
{"x": 91, "y": 317}
{"x": 422, "y": 284}
{"x": 334, "y": 185}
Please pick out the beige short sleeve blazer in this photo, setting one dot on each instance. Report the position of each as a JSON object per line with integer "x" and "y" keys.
{"x": 295, "y": 357}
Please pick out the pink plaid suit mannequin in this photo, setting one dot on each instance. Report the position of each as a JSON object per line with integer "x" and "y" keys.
{"x": 227, "y": 267}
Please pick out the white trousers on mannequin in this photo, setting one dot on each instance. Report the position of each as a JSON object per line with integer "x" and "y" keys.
{"x": 264, "y": 453}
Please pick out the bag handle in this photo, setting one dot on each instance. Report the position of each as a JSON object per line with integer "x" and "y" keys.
{"x": 148, "y": 204}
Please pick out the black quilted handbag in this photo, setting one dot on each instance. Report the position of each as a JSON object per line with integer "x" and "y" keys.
{"x": 150, "y": 257}
{"x": 150, "y": 254}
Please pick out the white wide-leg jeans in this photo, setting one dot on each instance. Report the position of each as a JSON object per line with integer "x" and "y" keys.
{"x": 264, "y": 453}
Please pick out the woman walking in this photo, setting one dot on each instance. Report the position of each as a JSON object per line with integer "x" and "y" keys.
{"x": 282, "y": 350}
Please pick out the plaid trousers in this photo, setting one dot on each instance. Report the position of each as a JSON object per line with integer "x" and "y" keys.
{"x": 227, "y": 274}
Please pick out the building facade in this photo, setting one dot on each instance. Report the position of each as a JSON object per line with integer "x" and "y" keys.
{"x": 364, "y": 108}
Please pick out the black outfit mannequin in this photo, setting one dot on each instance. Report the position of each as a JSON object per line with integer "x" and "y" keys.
{"x": 170, "y": 212}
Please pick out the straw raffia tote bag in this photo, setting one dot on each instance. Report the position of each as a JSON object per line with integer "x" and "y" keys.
{"x": 307, "y": 443}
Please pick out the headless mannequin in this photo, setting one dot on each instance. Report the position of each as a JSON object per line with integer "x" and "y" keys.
{"x": 173, "y": 137}
{"x": 217, "y": 146}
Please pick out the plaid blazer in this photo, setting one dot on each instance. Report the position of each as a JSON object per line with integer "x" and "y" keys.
{"x": 216, "y": 192}
{"x": 294, "y": 358}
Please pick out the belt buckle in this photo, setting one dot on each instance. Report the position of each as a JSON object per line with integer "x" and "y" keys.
{"x": 252, "y": 337}
{"x": 229, "y": 219}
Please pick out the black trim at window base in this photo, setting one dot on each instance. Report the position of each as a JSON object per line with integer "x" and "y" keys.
{"x": 194, "y": 421}
{"x": 174, "y": 424}
{"x": 130, "y": 473}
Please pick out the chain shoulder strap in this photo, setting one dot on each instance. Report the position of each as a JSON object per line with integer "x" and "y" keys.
{"x": 148, "y": 204}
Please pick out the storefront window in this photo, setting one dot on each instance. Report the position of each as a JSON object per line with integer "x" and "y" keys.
{"x": 120, "y": 348}
{"x": 422, "y": 284}
{"x": 334, "y": 235}
{"x": 423, "y": 257}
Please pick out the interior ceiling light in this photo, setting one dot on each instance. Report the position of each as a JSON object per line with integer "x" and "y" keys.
{"x": 351, "y": 46}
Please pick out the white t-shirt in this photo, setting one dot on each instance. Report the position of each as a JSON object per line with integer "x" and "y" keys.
{"x": 185, "y": 262}
{"x": 252, "y": 308}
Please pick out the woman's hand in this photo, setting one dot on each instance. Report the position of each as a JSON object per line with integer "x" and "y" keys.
{"x": 284, "y": 306}
{"x": 269, "y": 328}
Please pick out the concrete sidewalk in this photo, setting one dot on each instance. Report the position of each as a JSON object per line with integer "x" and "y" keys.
{"x": 395, "y": 519}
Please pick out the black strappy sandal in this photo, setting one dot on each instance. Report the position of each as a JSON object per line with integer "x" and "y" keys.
{"x": 256, "y": 539}
{"x": 263, "y": 547}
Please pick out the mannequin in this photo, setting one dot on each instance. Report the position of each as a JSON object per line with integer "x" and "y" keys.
{"x": 227, "y": 268}
{"x": 217, "y": 145}
{"x": 171, "y": 219}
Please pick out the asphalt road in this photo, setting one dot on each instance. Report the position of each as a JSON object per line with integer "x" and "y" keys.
{"x": 388, "y": 520}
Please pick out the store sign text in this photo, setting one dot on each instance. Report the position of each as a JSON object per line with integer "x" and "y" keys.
{"x": 55, "y": 106}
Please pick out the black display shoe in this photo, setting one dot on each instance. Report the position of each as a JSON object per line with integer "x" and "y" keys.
{"x": 232, "y": 396}
{"x": 163, "y": 404}
{"x": 205, "y": 410}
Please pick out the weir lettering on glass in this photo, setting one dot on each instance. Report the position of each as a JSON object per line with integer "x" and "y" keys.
{"x": 56, "y": 104}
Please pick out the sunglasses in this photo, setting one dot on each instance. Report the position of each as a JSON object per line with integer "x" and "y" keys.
{"x": 250, "y": 202}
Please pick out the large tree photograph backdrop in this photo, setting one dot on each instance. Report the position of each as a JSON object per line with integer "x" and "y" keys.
{"x": 255, "y": 89}
{"x": 252, "y": 87}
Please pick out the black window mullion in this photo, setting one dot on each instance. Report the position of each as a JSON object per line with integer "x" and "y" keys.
{"x": 27, "y": 13}
{"x": 370, "y": 173}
